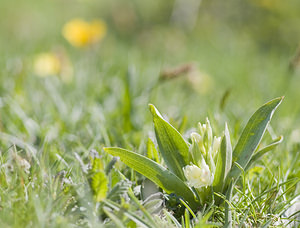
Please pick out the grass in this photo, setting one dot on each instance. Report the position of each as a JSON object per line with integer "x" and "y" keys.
{"x": 48, "y": 128}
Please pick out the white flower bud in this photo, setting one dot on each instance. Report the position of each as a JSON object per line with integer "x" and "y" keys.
{"x": 208, "y": 133}
{"x": 198, "y": 141}
{"x": 198, "y": 176}
{"x": 202, "y": 128}
{"x": 216, "y": 145}
{"x": 195, "y": 136}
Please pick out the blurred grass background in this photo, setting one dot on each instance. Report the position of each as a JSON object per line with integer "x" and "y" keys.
{"x": 244, "y": 46}
{"x": 243, "y": 53}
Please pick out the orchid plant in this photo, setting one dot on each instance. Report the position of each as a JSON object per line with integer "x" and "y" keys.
{"x": 206, "y": 166}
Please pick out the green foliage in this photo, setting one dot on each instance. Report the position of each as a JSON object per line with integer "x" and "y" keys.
{"x": 98, "y": 179}
{"x": 175, "y": 152}
{"x": 224, "y": 161}
{"x": 251, "y": 137}
{"x": 155, "y": 172}
{"x": 99, "y": 185}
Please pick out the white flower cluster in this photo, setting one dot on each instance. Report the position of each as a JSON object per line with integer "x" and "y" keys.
{"x": 198, "y": 176}
{"x": 203, "y": 151}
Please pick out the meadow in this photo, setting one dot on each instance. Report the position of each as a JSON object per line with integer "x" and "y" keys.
{"x": 83, "y": 80}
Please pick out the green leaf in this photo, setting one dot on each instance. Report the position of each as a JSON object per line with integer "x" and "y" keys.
{"x": 187, "y": 218}
{"x": 170, "y": 217}
{"x": 127, "y": 102}
{"x": 145, "y": 212}
{"x": 118, "y": 223}
{"x": 118, "y": 190}
{"x": 224, "y": 162}
{"x": 133, "y": 216}
{"x": 152, "y": 153}
{"x": 98, "y": 184}
{"x": 173, "y": 147}
{"x": 97, "y": 164}
{"x": 97, "y": 178}
{"x": 228, "y": 216}
{"x": 263, "y": 151}
{"x": 251, "y": 136}
{"x": 156, "y": 173}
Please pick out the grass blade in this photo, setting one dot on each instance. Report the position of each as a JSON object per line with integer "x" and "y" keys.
{"x": 118, "y": 223}
{"x": 140, "y": 222}
{"x": 172, "y": 218}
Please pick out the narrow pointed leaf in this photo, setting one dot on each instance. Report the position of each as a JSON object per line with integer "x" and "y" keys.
{"x": 263, "y": 151}
{"x": 152, "y": 153}
{"x": 224, "y": 162}
{"x": 228, "y": 216}
{"x": 252, "y": 135}
{"x": 173, "y": 147}
{"x": 187, "y": 218}
{"x": 156, "y": 173}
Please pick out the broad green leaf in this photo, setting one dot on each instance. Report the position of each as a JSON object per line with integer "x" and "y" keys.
{"x": 252, "y": 135}
{"x": 98, "y": 184}
{"x": 156, "y": 173}
{"x": 173, "y": 147}
{"x": 263, "y": 151}
{"x": 224, "y": 162}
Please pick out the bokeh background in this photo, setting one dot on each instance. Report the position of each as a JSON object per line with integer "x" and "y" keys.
{"x": 190, "y": 58}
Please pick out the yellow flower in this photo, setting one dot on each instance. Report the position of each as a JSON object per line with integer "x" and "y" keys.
{"x": 46, "y": 64}
{"x": 81, "y": 33}
{"x": 268, "y": 4}
{"x": 53, "y": 63}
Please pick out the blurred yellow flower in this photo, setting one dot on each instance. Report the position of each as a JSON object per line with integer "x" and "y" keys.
{"x": 268, "y": 4}
{"x": 53, "y": 63}
{"x": 81, "y": 33}
{"x": 46, "y": 64}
